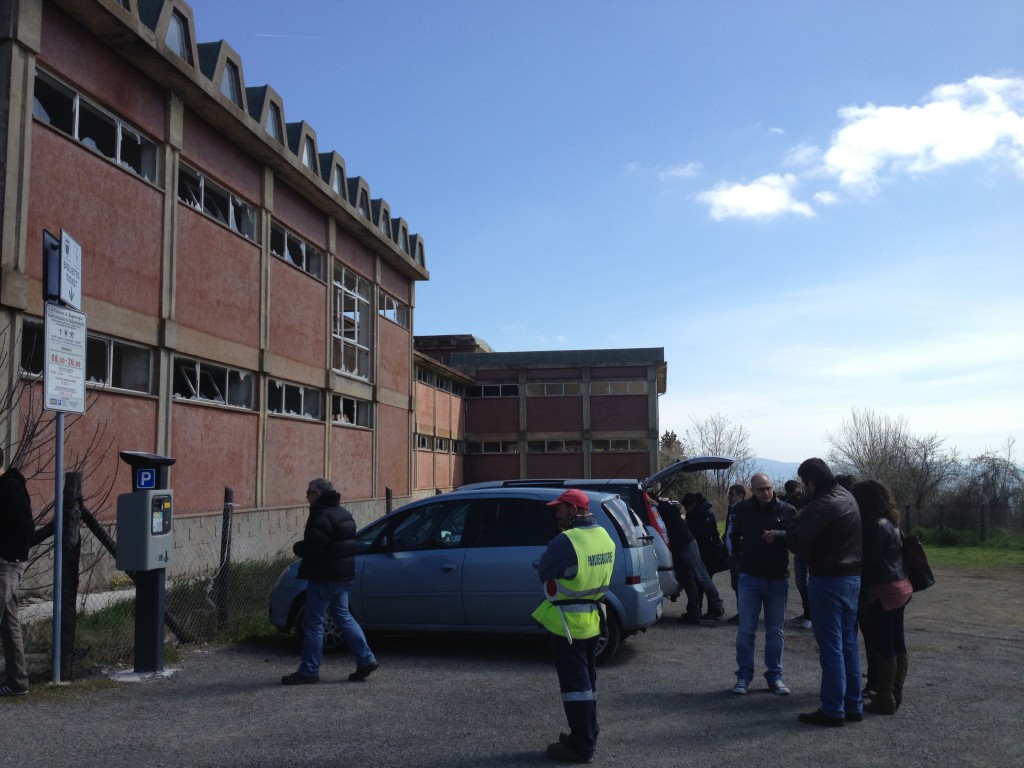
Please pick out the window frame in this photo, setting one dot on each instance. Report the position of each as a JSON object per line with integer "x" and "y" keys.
{"x": 349, "y": 411}
{"x": 296, "y": 250}
{"x": 208, "y": 378}
{"x": 82, "y": 119}
{"x": 351, "y": 324}
{"x": 216, "y": 202}
{"x": 292, "y": 394}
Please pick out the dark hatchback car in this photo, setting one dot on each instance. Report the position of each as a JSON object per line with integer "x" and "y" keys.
{"x": 641, "y": 495}
{"x": 465, "y": 562}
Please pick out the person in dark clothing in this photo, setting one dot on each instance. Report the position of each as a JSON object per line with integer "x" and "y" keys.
{"x": 700, "y": 517}
{"x": 885, "y": 592}
{"x": 689, "y": 568}
{"x": 735, "y": 495}
{"x": 16, "y": 526}
{"x": 575, "y": 568}
{"x": 759, "y": 545}
{"x": 828, "y": 532}
{"x": 795, "y": 496}
{"x": 327, "y": 550}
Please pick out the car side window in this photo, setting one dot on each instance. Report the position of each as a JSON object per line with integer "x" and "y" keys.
{"x": 431, "y": 526}
{"x": 515, "y": 523}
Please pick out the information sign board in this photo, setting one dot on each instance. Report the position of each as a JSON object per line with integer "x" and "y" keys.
{"x": 64, "y": 363}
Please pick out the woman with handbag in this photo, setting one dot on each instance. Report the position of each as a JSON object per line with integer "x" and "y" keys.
{"x": 887, "y": 589}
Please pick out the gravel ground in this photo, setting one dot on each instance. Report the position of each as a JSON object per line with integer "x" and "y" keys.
{"x": 481, "y": 702}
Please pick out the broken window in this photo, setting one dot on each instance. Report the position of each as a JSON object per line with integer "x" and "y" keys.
{"x": 351, "y": 323}
{"x": 69, "y": 112}
{"x": 196, "y": 190}
{"x": 392, "y": 309}
{"x": 197, "y": 380}
{"x": 350, "y": 410}
{"x": 294, "y": 250}
{"x": 294, "y": 400}
{"x": 54, "y": 104}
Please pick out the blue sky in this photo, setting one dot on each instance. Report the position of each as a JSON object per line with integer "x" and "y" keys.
{"x": 812, "y": 206}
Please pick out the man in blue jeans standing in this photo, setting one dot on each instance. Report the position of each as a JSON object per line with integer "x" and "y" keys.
{"x": 328, "y": 550}
{"x": 758, "y": 538}
{"x": 828, "y": 532}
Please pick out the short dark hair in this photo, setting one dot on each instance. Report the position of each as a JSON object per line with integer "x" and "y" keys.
{"x": 847, "y": 481}
{"x": 791, "y": 485}
{"x": 816, "y": 471}
{"x": 738, "y": 489}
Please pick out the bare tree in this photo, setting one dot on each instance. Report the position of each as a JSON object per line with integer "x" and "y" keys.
{"x": 871, "y": 446}
{"x": 878, "y": 447}
{"x": 716, "y": 435}
{"x": 927, "y": 468}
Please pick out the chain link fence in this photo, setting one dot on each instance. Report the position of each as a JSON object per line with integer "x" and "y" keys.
{"x": 221, "y": 572}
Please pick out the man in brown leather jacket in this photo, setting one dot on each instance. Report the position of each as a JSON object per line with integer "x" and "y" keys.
{"x": 828, "y": 532}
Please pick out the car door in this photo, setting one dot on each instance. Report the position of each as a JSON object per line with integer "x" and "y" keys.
{"x": 501, "y": 587}
{"x": 412, "y": 575}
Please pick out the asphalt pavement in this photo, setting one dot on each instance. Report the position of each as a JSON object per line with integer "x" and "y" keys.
{"x": 663, "y": 701}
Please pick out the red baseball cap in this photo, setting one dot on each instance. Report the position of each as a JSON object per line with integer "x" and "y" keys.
{"x": 572, "y": 496}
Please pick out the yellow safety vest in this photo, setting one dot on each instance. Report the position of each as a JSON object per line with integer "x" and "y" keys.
{"x": 576, "y": 599}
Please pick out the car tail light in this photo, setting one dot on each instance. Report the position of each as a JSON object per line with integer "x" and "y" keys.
{"x": 632, "y": 579}
{"x": 655, "y": 518}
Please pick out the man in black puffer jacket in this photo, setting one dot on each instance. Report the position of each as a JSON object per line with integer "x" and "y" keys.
{"x": 328, "y": 550}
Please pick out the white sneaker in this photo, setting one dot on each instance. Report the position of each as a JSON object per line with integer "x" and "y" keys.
{"x": 806, "y": 624}
{"x": 741, "y": 686}
{"x": 778, "y": 687}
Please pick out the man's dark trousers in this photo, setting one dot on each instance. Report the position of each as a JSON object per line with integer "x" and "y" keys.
{"x": 576, "y": 665}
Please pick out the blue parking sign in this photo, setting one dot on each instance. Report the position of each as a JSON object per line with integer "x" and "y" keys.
{"x": 145, "y": 478}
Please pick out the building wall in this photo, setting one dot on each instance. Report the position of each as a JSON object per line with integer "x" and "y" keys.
{"x": 159, "y": 273}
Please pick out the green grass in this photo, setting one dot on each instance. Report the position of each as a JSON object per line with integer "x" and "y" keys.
{"x": 105, "y": 639}
{"x": 964, "y": 548}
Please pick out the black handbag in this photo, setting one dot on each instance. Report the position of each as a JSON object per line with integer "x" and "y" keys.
{"x": 915, "y": 563}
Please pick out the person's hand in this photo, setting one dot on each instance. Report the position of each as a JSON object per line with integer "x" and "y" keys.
{"x": 768, "y": 536}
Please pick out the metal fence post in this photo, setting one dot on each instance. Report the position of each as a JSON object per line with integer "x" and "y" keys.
{"x": 224, "y": 575}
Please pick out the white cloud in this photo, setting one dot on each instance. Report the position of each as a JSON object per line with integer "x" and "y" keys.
{"x": 826, "y": 198}
{"x": 763, "y": 198}
{"x": 802, "y": 156}
{"x": 978, "y": 118}
{"x": 684, "y": 171}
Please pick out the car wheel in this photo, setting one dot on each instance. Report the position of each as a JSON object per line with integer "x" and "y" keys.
{"x": 334, "y": 640}
{"x": 610, "y": 639}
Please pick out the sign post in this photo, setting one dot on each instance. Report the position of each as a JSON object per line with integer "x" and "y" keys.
{"x": 63, "y": 383}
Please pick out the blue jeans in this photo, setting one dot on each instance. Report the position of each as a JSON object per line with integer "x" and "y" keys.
{"x": 834, "y": 611}
{"x": 800, "y": 577}
{"x": 333, "y": 595}
{"x": 753, "y": 594}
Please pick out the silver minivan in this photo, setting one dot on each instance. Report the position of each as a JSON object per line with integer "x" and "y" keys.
{"x": 466, "y": 561}
{"x": 638, "y": 494}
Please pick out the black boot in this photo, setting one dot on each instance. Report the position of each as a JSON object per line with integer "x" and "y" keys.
{"x": 901, "y": 676}
{"x": 883, "y": 703}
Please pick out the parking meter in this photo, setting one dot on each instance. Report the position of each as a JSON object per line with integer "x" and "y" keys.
{"x": 145, "y": 520}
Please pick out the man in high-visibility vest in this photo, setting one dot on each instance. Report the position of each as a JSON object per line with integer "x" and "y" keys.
{"x": 575, "y": 570}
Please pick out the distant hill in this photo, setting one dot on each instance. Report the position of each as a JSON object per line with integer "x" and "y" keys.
{"x": 778, "y": 471}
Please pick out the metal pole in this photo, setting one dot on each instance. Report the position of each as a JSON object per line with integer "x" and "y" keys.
{"x": 58, "y": 540}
